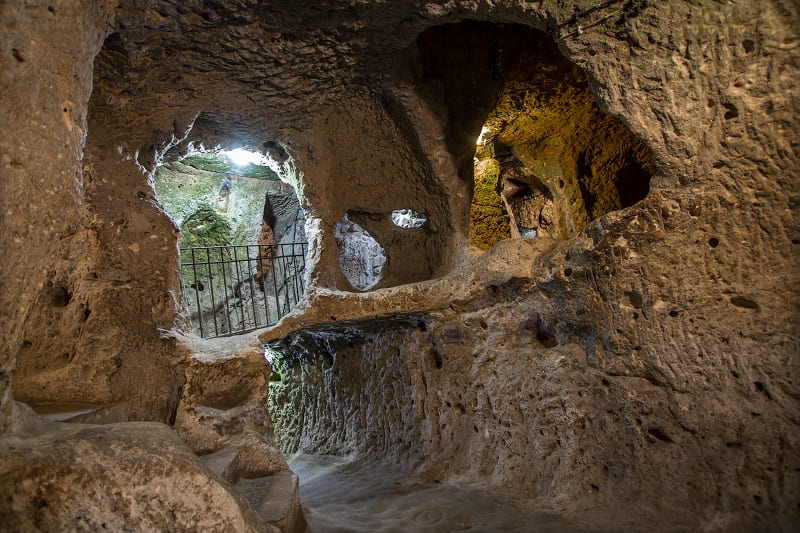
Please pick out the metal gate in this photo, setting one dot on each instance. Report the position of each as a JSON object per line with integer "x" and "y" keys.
{"x": 240, "y": 288}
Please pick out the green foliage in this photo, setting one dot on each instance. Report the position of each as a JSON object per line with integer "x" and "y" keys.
{"x": 256, "y": 171}
{"x": 183, "y": 191}
{"x": 221, "y": 164}
{"x": 210, "y": 163}
{"x": 205, "y": 227}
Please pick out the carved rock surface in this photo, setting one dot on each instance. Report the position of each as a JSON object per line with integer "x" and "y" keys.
{"x": 649, "y": 362}
{"x": 223, "y": 405}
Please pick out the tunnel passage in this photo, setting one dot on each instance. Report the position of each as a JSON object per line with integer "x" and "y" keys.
{"x": 524, "y": 125}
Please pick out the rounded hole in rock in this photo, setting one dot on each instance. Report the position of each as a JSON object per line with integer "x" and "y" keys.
{"x": 408, "y": 218}
{"x": 242, "y": 229}
{"x": 361, "y": 257}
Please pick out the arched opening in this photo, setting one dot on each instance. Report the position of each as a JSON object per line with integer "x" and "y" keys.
{"x": 242, "y": 232}
{"x": 547, "y": 160}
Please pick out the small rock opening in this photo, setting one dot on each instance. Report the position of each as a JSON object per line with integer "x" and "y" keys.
{"x": 408, "y": 218}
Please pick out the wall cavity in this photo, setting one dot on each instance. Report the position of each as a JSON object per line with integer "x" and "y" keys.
{"x": 548, "y": 160}
{"x": 361, "y": 258}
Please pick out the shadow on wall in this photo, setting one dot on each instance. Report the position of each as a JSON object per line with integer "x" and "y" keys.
{"x": 524, "y": 125}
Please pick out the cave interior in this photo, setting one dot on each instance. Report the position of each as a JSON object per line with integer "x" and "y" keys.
{"x": 409, "y": 266}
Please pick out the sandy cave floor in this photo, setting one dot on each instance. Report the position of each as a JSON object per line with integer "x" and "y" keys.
{"x": 339, "y": 494}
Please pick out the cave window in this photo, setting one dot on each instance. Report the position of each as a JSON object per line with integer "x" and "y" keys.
{"x": 548, "y": 160}
{"x": 242, "y": 235}
{"x": 543, "y": 159}
{"x": 221, "y": 197}
{"x": 408, "y": 218}
{"x": 361, "y": 257}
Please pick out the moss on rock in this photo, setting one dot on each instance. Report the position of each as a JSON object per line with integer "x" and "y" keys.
{"x": 221, "y": 164}
{"x": 205, "y": 227}
{"x": 488, "y": 216}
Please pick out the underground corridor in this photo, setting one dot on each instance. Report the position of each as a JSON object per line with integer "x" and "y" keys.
{"x": 408, "y": 266}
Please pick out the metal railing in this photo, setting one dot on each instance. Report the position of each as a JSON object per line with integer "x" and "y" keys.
{"x": 240, "y": 288}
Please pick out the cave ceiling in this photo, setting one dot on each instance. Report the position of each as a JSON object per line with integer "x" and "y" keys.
{"x": 166, "y": 61}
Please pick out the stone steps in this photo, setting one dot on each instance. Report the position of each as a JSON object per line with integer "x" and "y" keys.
{"x": 276, "y": 498}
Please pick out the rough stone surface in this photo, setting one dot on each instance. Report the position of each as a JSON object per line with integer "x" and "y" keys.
{"x": 222, "y": 416}
{"x": 47, "y": 63}
{"x": 475, "y": 394}
{"x": 223, "y": 405}
{"x": 649, "y": 362}
{"x": 136, "y": 475}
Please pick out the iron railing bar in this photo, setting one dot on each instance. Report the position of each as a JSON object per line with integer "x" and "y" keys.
{"x": 293, "y": 281}
{"x": 293, "y": 263}
{"x": 298, "y": 281}
{"x": 250, "y": 276}
{"x": 277, "y": 296}
{"x": 252, "y": 287}
{"x": 244, "y": 313}
{"x": 245, "y": 307}
{"x": 214, "y": 246}
{"x": 301, "y": 281}
{"x": 211, "y": 285}
{"x": 197, "y": 297}
{"x": 238, "y": 285}
{"x": 204, "y": 263}
{"x": 285, "y": 286}
{"x": 264, "y": 283}
{"x": 225, "y": 285}
{"x": 183, "y": 291}
{"x": 303, "y": 269}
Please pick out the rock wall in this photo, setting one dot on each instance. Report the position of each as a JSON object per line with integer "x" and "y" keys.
{"x": 47, "y": 77}
{"x": 112, "y": 477}
{"x": 612, "y": 397}
{"x": 647, "y": 365}
{"x": 677, "y": 317}
{"x": 89, "y": 283}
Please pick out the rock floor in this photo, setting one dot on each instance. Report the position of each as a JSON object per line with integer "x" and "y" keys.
{"x": 340, "y": 494}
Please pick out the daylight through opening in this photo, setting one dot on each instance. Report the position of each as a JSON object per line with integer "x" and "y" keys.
{"x": 242, "y": 236}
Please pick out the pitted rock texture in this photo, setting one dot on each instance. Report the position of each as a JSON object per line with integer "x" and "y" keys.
{"x": 222, "y": 417}
{"x": 41, "y": 146}
{"x": 535, "y": 401}
{"x": 685, "y": 303}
